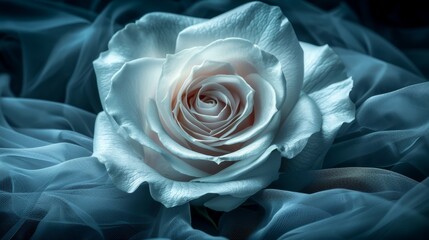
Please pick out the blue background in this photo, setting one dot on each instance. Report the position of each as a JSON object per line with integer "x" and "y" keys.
{"x": 373, "y": 183}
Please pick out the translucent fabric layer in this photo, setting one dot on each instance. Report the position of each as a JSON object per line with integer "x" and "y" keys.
{"x": 373, "y": 183}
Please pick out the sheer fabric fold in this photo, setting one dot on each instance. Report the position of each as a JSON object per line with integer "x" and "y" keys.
{"x": 373, "y": 181}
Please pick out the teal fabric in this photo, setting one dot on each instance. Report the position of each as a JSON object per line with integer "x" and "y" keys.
{"x": 373, "y": 183}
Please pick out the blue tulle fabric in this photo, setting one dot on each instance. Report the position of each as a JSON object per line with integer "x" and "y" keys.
{"x": 374, "y": 181}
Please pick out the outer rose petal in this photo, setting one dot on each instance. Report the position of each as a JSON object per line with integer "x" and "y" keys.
{"x": 128, "y": 171}
{"x": 127, "y": 104}
{"x": 322, "y": 67}
{"x": 264, "y": 26}
{"x": 123, "y": 164}
{"x": 336, "y": 108}
{"x": 304, "y": 120}
{"x": 326, "y": 84}
{"x": 123, "y": 103}
{"x": 154, "y": 35}
{"x": 323, "y": 108}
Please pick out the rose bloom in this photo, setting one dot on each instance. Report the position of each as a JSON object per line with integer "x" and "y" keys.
{"x": 210, "y": 111}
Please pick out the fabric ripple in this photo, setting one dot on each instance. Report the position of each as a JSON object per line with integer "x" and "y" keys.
{"x": 374, "y": 179}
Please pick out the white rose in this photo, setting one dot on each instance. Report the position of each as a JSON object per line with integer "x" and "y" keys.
{"x": 204, "y": 110}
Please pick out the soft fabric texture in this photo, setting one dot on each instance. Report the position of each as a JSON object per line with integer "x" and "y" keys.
{"x": 370, "y": 183}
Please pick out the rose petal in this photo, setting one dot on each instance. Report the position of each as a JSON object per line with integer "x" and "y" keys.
{"x": 212, "y": 113}
{"x": 198, "y": 75}
{"x": 322, "y": 67}
{"x": 237, "y": 87}
{"x": 128, "y": 171}
{"x": 170, "y": 143}
{"x": 245, "y": 57}
{"x": 179, "y": 65}
{"x": 264, "y": 109}
{"x": 251, "y": 178}
{"x": 304, "y": 120}
{"x": 130, "y": 112}
{"x": 312, "y": 131}
{"x": 336, "y": 107}
{"x": 246, "y": 167}
{"x": 327, "y": 84}
{"x": 125, "y": 167}
{"x": 138, "y": 80}
{"x": 154, "y": 35}
{"x": 218, "y": 86}
{"x": 185, "y": 119}
{"x": 262, "y": 25}
{"x": 167, "y": 86}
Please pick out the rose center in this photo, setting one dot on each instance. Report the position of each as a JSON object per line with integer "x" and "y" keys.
{"x": 207, "y": 99}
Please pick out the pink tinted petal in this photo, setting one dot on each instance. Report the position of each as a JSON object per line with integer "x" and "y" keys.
{"x": 262, "y": 25}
